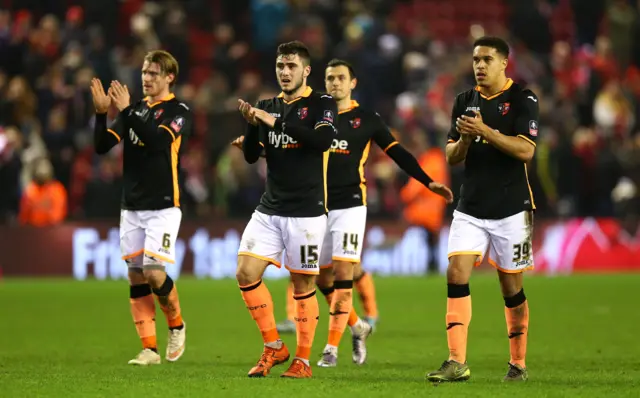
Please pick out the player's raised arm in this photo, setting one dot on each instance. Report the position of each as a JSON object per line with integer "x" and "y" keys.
{"x": 318, "y": 137}
{"x": 251, "y": 145}
{"x": 407, "y": 162}
{"x": 457, "y": 144}
{"x": 103, "y": 138}
{"x": 165, "y": 134}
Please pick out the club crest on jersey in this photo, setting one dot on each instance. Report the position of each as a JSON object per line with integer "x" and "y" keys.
{"x": 355, "y": 123}
{"x": 158, "y": 113}
{"x": 504, "y": 108}
{"x": 533, "y": 128}
{"x": 177, "y": 124}
{"x": 303, "y": 112}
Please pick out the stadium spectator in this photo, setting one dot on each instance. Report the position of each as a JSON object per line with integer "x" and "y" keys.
{"x": 10, "y": 165}
{"x": 44, "y": 201}
{"x": 411, "y": 58}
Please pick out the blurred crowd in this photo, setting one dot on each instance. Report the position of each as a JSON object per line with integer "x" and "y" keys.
{"x": 582, "y": 58}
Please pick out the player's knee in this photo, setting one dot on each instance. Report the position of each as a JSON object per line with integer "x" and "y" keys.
{"x": 136, "y": 277}
{"x": 249, "y": 271}
{"x": 244, "y": 276}
{"x": 358, "y": 272}
{"x": 154, "y": 276}
{"x": 303, "y": 283}
{"x": 325, "y": 279}
{"x": 459, "y": 270}
{"x": 510, "y": 283}
{"x": 343, "y": 270}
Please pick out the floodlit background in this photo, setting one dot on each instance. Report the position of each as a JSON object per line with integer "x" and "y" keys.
{"x": 581, "y": 57}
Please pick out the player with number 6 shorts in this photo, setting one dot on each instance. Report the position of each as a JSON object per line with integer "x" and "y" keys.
{"x": 494, "y": 128}
{"x": 153, "y": 132}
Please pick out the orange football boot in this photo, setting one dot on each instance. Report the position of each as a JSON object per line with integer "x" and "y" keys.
{"x": 270, "y": 357}
{"x": 298, "y": 370}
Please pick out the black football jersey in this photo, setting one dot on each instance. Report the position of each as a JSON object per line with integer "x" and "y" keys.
{"x": 154, "y": 136}
{"x": 496, "y": 185}
{"x": 296, "y": 173}
{"x": 357, "y": 129}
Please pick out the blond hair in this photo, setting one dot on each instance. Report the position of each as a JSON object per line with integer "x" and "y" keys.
{"x": 166, "y": 61}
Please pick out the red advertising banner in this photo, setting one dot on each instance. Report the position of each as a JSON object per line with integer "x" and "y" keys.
{"x": 208, "y": 250}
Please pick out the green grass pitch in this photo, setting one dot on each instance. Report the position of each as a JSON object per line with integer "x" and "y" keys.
{"x": 67, "y": 338}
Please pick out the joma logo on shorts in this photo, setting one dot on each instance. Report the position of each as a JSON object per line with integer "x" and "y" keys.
{"x": 351, "y": 252}
{"x": 257, "y": 307}
{"x": 309, "y": 265}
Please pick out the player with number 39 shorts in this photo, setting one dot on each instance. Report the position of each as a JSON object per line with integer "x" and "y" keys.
{"x": 494, "y": 128}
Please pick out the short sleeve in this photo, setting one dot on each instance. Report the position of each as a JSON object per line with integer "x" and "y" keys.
{"x": 527, "y": 115}
{"x": 456, "y": 112}
{"x": 382, "y": 135}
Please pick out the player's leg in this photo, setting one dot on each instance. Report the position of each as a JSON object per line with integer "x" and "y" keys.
{"x": 161, "y": 233}
{"x": 511, "y": 253}
{"x": 143, "y": 308}
{"x": 289, "y": 325}
{"x": 324, "y": 281}
{"x": 468, "y": 241}
{"x": 361, "y": 328}
{"x": 516, "y": 313}
{"x": 303, "y": 254}
{"x": 367, "y": 293}
{"x": 291, "y": 305}
{"x": 333, "y": 295}
{"x": 346, "y": 227}
{"x": 261, "y": 245}
{"x": 307, "y": 315}
{"x": 337, "y": 307}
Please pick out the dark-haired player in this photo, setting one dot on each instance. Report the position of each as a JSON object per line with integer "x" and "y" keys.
{"x": 358, "y": 129}
{"x": 347, "y": 200}
{"x": 154, "y": 131}
{"x": 494, "y": 127}
{"x": 295, "y": 130}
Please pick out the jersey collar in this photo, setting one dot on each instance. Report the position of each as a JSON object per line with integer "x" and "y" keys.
{"x": 354, "y": 104}
{"x": 306, "y": 93}
{"x": 165, "y": 99}
{"x": 505, "y": 88}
